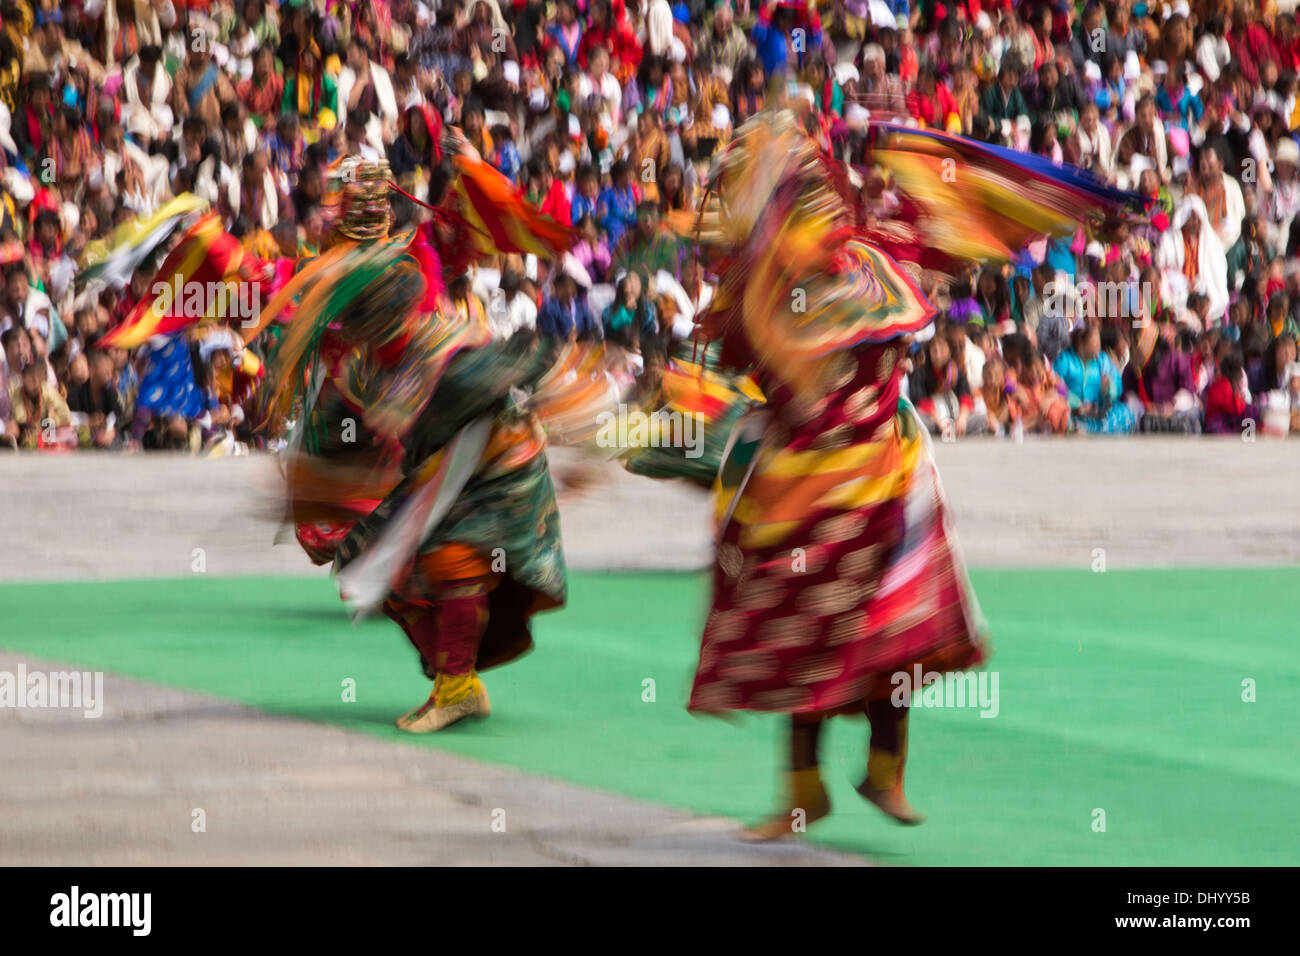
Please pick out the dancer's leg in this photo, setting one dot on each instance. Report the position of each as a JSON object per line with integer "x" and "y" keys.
{"x": 463, "y": 616}
{"x": 448, "y": 636}
{"x": 806, "y": 798}
{"x": 886, "y": 759}
{"x": 419, "y": 624}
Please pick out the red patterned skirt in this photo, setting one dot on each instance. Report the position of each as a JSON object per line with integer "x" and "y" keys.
{"x": 837, "y": 567}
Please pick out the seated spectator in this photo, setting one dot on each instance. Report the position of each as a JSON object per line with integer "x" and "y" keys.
{"x": 1144, "y": 137}
{"x": 877, "y": 90}
{"x": 511, "y": 312}
{"x": 1191, "y": 258}
{"x": 237, "y": 137}
{"x": 651, "y": 92}
{"x": 699, "y": 292}
{"x": 1050, "y": 101}
{"x": 675, "y": 194}
{"x": 631, "y": 319}
{"x": 126, "y": 380}
{"x": 17, "y": 349}
{"x": 1089, "y": 145}
{"x": 599, "y": 82}
{"x": 1114, "y": 344}
{"x": 467, "y": 306}
{"x": 565, "y": 31}
{"x": 1093, "y": 384}
{"x": 592, "y": 250}
{"x": 966, "y": 95}
{"x": 1179, "y": 101}
{"x": 256, "y": 198}
{"x": 993, "y": 399}
{"x": 286, "y": 149}
{"x": 39, "y": 411}
{"x": 309, "y": 90}
{"x": 359, "y": 135}
{"x": 170, "y": 433}
{"x": 1042, "y": 397}
{"x": 97, "y": 399}
{"x": 828, "y": 97}
{"x": 723, "y": 42}
{"x": 1060, "y": 306}
{"x": 712, "y": 107}
{"x": 749, "y": 91}
{"x": 1043, "y": 141}
{"x": 651, "y": 153}
{"x": 649, "y": 248}
{"x": 616, "y": 208}
{"x": 993, "y": 298}
{"x": 413, "y": 153}
{"x": 263, "y": 92}
{"x": 505, "y": 154}
{"x": 586, "y": 194}
{"x": 1228, "y": 408}
{"x": 200, "y": 86}
{"x": 563, "y": 317}
{"x": 547, "y": 192}
{"x": 1220, "y": 194}
{"x": 147, "y": 101}
{"x": 1114, "y": 88}
{"x": 1293, "y": 396}
{"x": 363, "y": 83}
{"x": 968, "y": 356}
{"x": 1160, "y": 387}
{"x": 1002, "y": 103}
{"x": 942, "y": 396}
{"x": 1273, "y": 373}
{"x": 931, "y": 103}
{"x": 30, "y": 307}
{"x": 775, "y": 38}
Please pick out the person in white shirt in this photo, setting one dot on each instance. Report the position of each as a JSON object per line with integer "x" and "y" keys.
{"x": 1092, "y": 143}
{"x": 364, "y": 83}
{"x": 599, "y": 81}
{"x": 1192, "y": 231}
{"x": 1284, "y": 201}
{"x": 1222, "y": 196}
{"x": 509, "y": 310}
{"x": 146, "y": 94}
{"x": 1212, "y": 50}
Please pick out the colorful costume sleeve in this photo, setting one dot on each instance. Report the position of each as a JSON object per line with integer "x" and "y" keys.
{"x": 976, "y": 201}
{"x": 501, "y": 220}
{"x": 199, "y": 280}
{"x": 794, "y": 278}
{"x": 114, "y": 259}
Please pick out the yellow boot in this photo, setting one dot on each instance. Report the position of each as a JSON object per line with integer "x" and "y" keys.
{"x": 808, "y": 802}
{"x": 454, "y": 697}
{"x": 884, "y": 783}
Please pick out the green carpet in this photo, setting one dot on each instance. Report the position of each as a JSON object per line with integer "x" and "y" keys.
{"x": 1119, "y": 691}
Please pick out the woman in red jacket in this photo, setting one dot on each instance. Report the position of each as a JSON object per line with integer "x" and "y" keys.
{"x": 1226, "y": 408}
{"x": 932, "y": 103}
{"x": 608, "y": 28}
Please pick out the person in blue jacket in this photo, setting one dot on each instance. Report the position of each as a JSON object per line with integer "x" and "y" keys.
{"x": 564, "y": 316}
{"x": 1093, "y": 381}
{"x": 785, "y": 30}
{"x": 616, "y": 206}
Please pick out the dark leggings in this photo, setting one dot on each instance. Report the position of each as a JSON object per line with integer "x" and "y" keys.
{"x": 806, "y": 730}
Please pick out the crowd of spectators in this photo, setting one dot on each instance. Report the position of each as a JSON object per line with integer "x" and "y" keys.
{"x": 606, "y": 115}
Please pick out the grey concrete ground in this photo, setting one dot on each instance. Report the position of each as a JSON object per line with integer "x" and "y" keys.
{"x": 122, "y": 789}
{"x": 1149, "y": 502}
